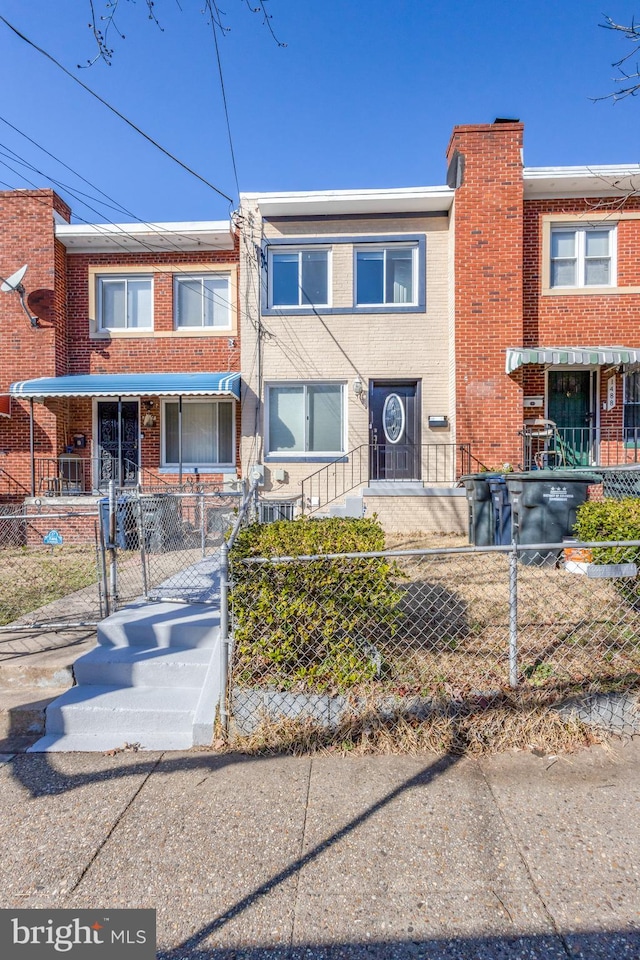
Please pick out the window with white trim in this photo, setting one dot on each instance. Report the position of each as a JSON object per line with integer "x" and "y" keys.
{"x": 125, "y": 302}
{"x": 202, "y": 301}
{"x": 298, "y": 277}
{"x": 207, "y": 433}
{"x": 631, "y": 407}
{"x": 306, "y": 418}
{"x": 583, "y": 256}
{"x": 386, "y": 275}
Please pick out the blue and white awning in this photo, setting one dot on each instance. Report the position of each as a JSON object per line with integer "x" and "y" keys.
{"x": 131, "y": 385}
{"x": 578, "y": 356}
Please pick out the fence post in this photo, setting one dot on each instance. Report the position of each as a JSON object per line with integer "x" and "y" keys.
{"x": 113, "y": 553}
{"x": 224, "y": 631}
{"x": 142, "y": 544}
{"x": 513, "y": 616}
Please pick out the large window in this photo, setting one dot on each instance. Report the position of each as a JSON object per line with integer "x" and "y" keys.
{"x": 202, "y": 301}
{"x": 306, "y": 418}
{"x": 632, "y": 407}
{"x": 298, "y": 277}
{"x": 386, "y": 275}
{"x": 125, "y": 303}
{"x": 207, "y": 433}
{"x": 583, "y": 256}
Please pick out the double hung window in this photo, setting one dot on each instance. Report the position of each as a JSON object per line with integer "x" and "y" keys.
{"x": 306, "y": 418}
{"x": 299, "y": 277}
{"x": 583, "y": 256}
{"x": 632, "y": 408}
{"x": 125, "y": 302}
{"x": 202, "y": 302}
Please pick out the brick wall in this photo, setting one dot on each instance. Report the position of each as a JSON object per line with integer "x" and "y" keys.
{"x": 488, "y": 244}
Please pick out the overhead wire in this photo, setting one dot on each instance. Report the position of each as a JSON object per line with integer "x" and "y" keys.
{"x": 115, "y": 111}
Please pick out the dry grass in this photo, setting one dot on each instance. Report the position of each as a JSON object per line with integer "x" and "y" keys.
{"x": 523, "y": 721}
{"x": 32, "y": 577}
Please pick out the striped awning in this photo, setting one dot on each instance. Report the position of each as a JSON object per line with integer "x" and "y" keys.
{"x": 131, "y": 385}
{"x": 580, "y": 356}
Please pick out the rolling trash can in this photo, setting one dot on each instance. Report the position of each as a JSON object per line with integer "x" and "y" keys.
{"x": 543, "y": 507}
{"x": 481, "y": 511}
{"x": 501, "y": 509}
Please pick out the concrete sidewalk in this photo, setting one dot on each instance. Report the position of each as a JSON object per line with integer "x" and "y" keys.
{"x": 378, "y": 857}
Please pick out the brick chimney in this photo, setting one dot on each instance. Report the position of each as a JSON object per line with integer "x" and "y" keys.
{"x": 485, "y": 168}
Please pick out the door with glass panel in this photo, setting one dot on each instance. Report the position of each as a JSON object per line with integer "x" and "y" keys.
{"x": 394, "y": 430}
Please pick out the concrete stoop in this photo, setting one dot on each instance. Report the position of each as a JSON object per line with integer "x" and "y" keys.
{"x": 152, "y": 682}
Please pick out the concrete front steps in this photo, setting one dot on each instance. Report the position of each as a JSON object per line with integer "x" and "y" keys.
{"x": 152, "y": 681}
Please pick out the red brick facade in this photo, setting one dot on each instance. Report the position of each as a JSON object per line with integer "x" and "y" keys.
{"x": 58, "y": 281}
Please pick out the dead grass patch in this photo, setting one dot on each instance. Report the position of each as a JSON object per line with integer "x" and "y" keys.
{"x": 31, "y": 578}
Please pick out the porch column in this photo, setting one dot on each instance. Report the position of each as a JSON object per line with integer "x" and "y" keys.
{"x": 120, "y": 441}
{"x": 32, "y": 449}
{"x": 180, "y": 439}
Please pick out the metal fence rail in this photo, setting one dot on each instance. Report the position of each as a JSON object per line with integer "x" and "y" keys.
{"x": 50, "y": 569}
{"x": 313, "y": 634}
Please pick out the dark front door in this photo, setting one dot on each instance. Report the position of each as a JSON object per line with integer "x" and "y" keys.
{"x": 118, "y": 442}
{"x": 394, "y": 430}
{"x": 570, "y": 407}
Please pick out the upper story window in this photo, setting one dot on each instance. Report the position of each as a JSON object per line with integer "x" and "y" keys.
{"x": 299, "y": 277}
{"x": 386, "y": 275}
{"x": 583, "y": 256}
{"x": 125, "y": 302}
{"x": 202, "y": 301}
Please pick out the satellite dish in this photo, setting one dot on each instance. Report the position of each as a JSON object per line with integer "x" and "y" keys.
{"x": 14, "y": 282}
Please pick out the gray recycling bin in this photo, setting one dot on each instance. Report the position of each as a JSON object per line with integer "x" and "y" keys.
{"x": 481, "y": 514}
{"x": 126, "y": 526}
{"x": 160, "y": 521}
{"x": 501, "y": 509}
{"x": 543, "y": 508}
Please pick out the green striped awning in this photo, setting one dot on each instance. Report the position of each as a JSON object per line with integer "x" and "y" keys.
{"x": 580, "y": 356}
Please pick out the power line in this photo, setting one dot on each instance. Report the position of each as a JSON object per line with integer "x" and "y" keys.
{"x": 224, "y": 95}
{"x": 105, "y": 103}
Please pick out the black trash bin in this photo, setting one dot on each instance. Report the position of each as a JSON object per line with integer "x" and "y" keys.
{"x": 161, "y": 522}
{"x": 543, "y": 508}
{"x": 501, "y": 509}
{"x": 481, "y": 512}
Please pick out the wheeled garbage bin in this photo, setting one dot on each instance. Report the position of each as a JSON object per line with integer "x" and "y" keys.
{"x": 543, "y": 508}
{"x": 126, "y": 526}
{"x": 501, "y": 509}
{"x": 481, "y": 515}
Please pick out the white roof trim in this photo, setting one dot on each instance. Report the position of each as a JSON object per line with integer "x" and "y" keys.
{"x": 613, "y": 180}
{"x": 168, "y": 237}
{"x": 327, "y": 202}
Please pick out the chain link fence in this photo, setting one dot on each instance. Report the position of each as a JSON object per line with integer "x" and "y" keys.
{"x": 408, "y": 630}
{"x": 164, "y": 545}
{"x": 50, "y": 567}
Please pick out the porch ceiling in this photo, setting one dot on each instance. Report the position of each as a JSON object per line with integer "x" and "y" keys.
{"x": 580, "y": 356}
{"x": 131, "y": 385}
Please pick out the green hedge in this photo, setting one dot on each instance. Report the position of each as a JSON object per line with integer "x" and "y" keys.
{"x": 613, "y": 520}
{"x": 311, "y": 626}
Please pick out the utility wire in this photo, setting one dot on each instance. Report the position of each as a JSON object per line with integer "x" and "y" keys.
{"x": 105, "y": 103}
{"x": 224, "y": 96}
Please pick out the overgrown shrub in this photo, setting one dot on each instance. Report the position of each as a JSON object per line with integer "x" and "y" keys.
{"x": 312, "y": 625}
{"x": 613, "y": 520}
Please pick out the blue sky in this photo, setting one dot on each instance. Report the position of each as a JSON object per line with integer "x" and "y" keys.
{"x": 364, "y": 95}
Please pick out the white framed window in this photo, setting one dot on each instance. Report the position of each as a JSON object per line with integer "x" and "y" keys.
{"x": 207, "y": 433}
{"x": 299, "y": 277}
{"x": 202, "y": 301}
{"x": 125, "y": 302}
{"x": 583, "y": 256}
{"x": 306, "y": 419}
{"x": 386, "y": 275}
